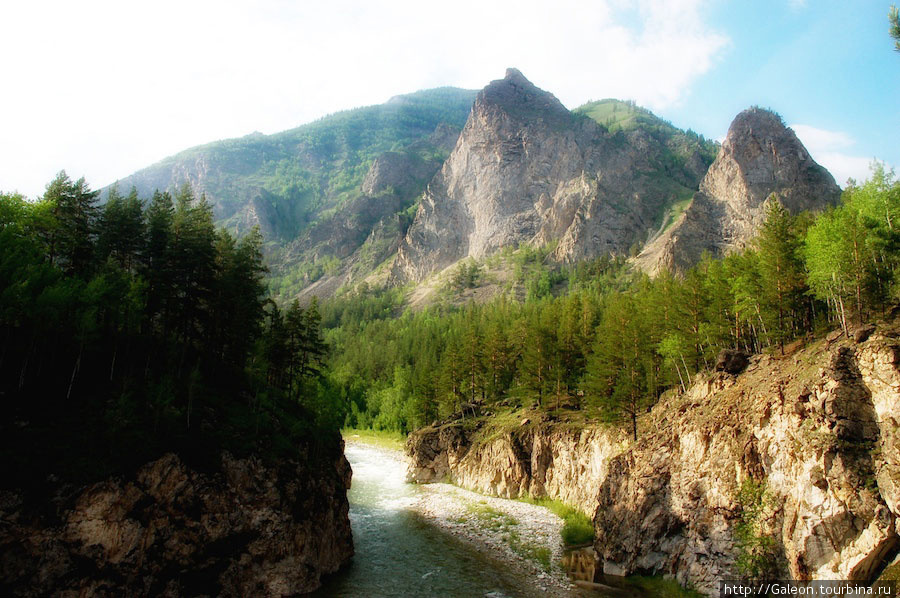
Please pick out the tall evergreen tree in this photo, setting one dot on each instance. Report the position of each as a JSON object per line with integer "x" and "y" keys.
{"x": 75, "y": 220}
{"x": 122, "y": 229}
{"x": 157, "y": 258}
{"x": 781, "y": 272}
{"x": 618, "y": 370}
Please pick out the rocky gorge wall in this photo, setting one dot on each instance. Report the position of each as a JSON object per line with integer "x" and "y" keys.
{"x": 246, "y": 529}
{"x": 537, "y": 460}
{"x": 816, "y": 430}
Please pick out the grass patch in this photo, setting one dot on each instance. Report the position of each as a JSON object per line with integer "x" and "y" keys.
{"x": 675, "y": 211}
{"x": 578, "y": 529}
{"x": 530, "y": 550}
{"x": 493, "y": 519}
{"x": 380, "y": 438}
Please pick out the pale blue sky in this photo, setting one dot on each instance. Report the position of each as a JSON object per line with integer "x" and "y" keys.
{"x": 826, "y": 66}
{"x": 102, "y": 88}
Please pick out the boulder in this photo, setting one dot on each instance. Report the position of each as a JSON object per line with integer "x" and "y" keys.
{"x": 732, "y": 361}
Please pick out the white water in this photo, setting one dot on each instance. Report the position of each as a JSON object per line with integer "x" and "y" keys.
{"x": 399, "y": 554}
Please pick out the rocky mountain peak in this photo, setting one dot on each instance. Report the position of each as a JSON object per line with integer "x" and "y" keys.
{"x": 512, "y": 73}
{"x": 520, "y": 98}
{"x": 526, "y": 170}
{"x": 760, "y": 158}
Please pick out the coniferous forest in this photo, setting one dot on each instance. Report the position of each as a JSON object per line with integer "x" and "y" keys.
{"x": 603, "y": 342}
{"x": 134, "y": 326}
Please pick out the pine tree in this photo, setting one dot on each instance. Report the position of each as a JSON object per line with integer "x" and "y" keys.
{"x": 121, "y": 234}
{"x": 894, "y": 22}
{"x": 781, "y": 272}
{"x": 157, "y": 257}
{"x": 619, "y": 367}
{"x": 312, "y": 346}
{"x": 75, "y": 221}
{"x": 537, "y": 356}
{"x": 497, "y": 358}
{"x": 193, "y": 261}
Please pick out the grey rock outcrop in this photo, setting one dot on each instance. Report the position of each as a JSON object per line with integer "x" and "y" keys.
{"x": 526, "y": 170}
{"x": 563, "y": 463}
{"x": 817, "y": 430}
{"x": 247, "y": 529}
{"x": 759, "y": 157}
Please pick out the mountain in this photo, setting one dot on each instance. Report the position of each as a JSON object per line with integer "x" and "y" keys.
{"x": 394, "y": 193}
{"x": 527, "y": 170}
{"x": 759, "y": 158}
{"x": 302, "y": 186}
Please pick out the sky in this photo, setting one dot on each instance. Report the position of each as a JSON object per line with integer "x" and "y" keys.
{"x": 103, "y": 88}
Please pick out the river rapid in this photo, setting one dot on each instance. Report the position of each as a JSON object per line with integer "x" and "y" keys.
{"x": 398, "y": 553}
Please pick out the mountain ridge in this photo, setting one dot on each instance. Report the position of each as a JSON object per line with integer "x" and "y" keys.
{"x": 395, "y": 193}
{"x": 527, "y": 170}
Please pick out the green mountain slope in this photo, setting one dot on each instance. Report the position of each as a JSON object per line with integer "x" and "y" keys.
{"x": 286, "y": 181}
{"x": 333, "y": 198}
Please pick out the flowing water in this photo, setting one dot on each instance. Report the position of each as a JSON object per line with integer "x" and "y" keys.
{"x": 399, "y": 554}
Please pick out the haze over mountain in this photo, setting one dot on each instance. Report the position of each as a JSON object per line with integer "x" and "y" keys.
{"x": 395, "y": 193}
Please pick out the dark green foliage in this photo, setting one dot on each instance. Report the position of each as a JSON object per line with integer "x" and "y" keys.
{"x": 466, "y": 276}
{"x": 164, "y": 337}
{"x": 782, "y": 274}
{"x": 621, "y": 369}
{"x": 71, "y": 232}
{"x": 578, "y": 530}
{"x": 122, "y": 231}
{"x": 125, "y": 333}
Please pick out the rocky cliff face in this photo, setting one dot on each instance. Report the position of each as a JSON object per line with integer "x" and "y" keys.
{"x": 817, "y": 430}
{"x": 526, "y": 170}
{"x": 244, "y": 530}
{"x": 537, "y": 460}
{"x": 759, "y": 157}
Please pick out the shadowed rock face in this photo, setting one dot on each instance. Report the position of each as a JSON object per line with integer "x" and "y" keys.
{"x": 526, "y": 170}
{"x": 819, "y": 431}
{"x": 247, "y": 529}
{"x": 759, "y": 157}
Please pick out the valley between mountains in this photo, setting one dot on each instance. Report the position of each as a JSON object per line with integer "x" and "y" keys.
{"x": 689, "y": 349}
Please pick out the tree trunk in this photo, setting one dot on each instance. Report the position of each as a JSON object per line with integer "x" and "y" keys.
{"x": 75, "y": 371}
{"x": 112, "y": 365}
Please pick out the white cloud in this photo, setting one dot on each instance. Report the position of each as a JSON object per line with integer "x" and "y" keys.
{"x": 797, "y": 5}
{"x": 103, "y": 87}
{"x": 833, "y": 150}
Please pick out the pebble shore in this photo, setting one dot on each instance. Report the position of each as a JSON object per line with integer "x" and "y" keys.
{"x": 522, "y": 535}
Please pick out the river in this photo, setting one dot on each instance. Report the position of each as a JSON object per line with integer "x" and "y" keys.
{"x": 399, "y": 554}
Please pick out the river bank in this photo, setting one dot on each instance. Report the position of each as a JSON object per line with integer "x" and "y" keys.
{"x": 524, "y": 538}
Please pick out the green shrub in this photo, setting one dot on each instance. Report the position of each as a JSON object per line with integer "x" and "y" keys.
{"x": 757, "y": 556}
{"x": 578, "y": 529}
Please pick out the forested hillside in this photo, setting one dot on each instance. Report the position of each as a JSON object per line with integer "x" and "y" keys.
{"x": 304, "y": 188}
{"x": 597, "y": 340}
{"x": 137, "y": 328}
{"x": 312, "y": 168}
